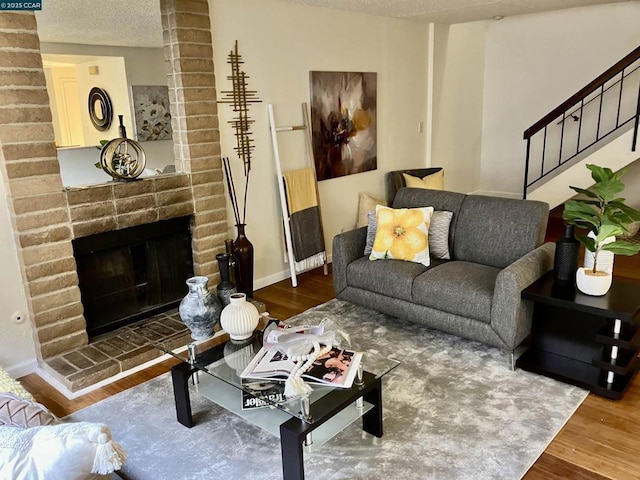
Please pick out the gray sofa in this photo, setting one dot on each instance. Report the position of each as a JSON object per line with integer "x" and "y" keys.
{"x": 496, "y": 251}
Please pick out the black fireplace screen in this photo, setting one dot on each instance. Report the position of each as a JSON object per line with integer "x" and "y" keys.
{"x": 130, "y": 274}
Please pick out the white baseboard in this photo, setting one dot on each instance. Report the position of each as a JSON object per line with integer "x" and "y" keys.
{"x": 495, "y": 193}
{"x": 277, "y": 277}
{"x": 22, "y": 369}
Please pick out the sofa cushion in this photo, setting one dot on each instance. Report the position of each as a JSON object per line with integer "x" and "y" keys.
{"x": 460, "y": 288}
{"x": 497, "y": 231}
{"x": 393, "y": 278}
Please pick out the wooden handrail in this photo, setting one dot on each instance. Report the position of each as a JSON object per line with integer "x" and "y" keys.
{"x": 582, "y": 93}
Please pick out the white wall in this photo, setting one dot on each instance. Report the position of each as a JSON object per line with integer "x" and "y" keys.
{"x": 280, "y": 43}
{"x": 17, "y": 350}
{"x": 458, "y": 103}
{"x": 77, "y": 165}
{"x": 112, "y": 79}
{"x": 534, "y": 63}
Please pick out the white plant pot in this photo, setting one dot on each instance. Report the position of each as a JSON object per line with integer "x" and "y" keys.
{"x": 240, "y": 318}
{"x": 605, "y": 257}
{"x": 595, "y": 285}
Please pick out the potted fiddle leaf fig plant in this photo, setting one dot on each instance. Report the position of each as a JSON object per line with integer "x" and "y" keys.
{"x": 604, "y": 217}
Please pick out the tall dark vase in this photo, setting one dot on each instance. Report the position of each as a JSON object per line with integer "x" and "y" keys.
{"x": 243, "y": 253}
{"x": 565, "y": 262}
{"x": 226, "y": 287}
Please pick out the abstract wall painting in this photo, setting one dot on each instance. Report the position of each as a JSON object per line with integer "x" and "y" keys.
{"x": 151, "y": 110}
{"x": 343, "y": 122}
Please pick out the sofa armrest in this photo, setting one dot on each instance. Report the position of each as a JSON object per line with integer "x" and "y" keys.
{"x": 347, "y": 247}
{"x": 510, "y": 317}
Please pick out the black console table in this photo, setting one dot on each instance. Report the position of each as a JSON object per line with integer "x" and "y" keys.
{"x": 590, "y": 342}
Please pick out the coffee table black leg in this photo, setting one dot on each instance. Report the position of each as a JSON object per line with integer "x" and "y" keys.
{"x": 180, "y": 375}
{"x": 372, "y": 420}
{"x": 291, "y": 449}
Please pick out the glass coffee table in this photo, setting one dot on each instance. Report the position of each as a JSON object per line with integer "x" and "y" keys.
{"x": 212, "y": 368}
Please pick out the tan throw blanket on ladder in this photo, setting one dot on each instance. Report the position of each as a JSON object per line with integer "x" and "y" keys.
{"x": 302, "y": 202}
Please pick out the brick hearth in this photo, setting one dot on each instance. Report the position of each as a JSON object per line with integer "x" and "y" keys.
{"x": 46, "y": 217}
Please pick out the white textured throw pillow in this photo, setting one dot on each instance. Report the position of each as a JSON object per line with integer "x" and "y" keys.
{"x": 69, "y": 451}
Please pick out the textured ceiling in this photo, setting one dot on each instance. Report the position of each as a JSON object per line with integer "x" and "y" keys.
{"x": 450, "y": 11}
{"x": 137, "y": 22}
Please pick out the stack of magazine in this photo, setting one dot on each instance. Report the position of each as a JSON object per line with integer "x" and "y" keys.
{"x": 265, "y": 375}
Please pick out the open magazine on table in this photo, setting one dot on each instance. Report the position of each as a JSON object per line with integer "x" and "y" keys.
{"x": 337, "y": 368}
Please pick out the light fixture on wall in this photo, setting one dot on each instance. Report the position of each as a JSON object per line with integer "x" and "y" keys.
{"x": 497, "y": 17}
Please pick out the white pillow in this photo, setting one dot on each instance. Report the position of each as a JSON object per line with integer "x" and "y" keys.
{"x": 366, "y": 204}
{"x": 69, "y": 451}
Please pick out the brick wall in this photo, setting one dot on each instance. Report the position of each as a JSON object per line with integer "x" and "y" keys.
{"x": 45, "y": 216}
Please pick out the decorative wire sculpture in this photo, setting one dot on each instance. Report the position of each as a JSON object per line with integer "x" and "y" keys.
{"x": 119, "y": 162}
{"x": 240, "y": 99}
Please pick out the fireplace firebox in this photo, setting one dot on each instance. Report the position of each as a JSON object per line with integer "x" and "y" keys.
{"x": 131, "y": 274}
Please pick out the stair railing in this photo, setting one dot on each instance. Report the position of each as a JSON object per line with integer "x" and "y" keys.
{"x": 596, "y": 111}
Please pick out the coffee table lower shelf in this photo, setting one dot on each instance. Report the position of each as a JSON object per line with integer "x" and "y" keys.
{"x": 574, "y": 372}
{"x": 270, "y": 419}
{"x": 336, "y": 410}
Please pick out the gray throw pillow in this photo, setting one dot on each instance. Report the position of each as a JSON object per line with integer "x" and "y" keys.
{"x": 438, "y": 234}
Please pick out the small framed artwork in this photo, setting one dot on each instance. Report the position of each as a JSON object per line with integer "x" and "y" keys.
{"x": 343, "y": 123}
{"x": 151, "y": 112}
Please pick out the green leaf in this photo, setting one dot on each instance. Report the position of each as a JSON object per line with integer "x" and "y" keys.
{"x": 598, "y": 173}
{"x": 583, "y": 191}
{"x": 622, "y": 247}
{"x": 588, "y": 242}
{"x": 608, "y": 229}
{"x": 608, "y": 190}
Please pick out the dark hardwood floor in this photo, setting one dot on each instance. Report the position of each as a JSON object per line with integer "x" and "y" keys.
{"x": 600, "y": 441}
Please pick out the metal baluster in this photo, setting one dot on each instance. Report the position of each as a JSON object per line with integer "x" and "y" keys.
{"x": 561, "y": 138}
{"x": 544, "y": 151}
{"x": 637, "y": 121}
{"x": 526, "y": 169}
{"x": 620, "y": 100}
{"x": 580, "y": 126}
{"x": 600, "y": 112}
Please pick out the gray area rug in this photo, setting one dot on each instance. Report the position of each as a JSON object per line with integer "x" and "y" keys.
{"x": 452, "y": 410}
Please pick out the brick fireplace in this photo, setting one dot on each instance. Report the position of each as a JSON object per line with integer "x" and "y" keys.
{"x": 46, "y": 217}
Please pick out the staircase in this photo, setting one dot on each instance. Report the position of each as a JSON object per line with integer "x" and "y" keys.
{"x": 598, "y": 124}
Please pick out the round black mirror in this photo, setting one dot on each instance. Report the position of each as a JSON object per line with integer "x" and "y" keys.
{"x": 100, "y": 109}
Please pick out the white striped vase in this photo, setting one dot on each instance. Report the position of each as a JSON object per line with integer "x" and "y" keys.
{"x": 240, "y": 318}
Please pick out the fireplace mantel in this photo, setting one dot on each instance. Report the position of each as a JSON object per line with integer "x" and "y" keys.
{"x": 46, "y": 217}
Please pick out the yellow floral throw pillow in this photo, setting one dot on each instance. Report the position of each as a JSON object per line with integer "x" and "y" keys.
{"x": 402, "y": 234}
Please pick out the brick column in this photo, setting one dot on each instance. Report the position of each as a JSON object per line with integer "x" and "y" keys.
{"x": 194, "y": 117}
{"x": 30, "y": 170}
